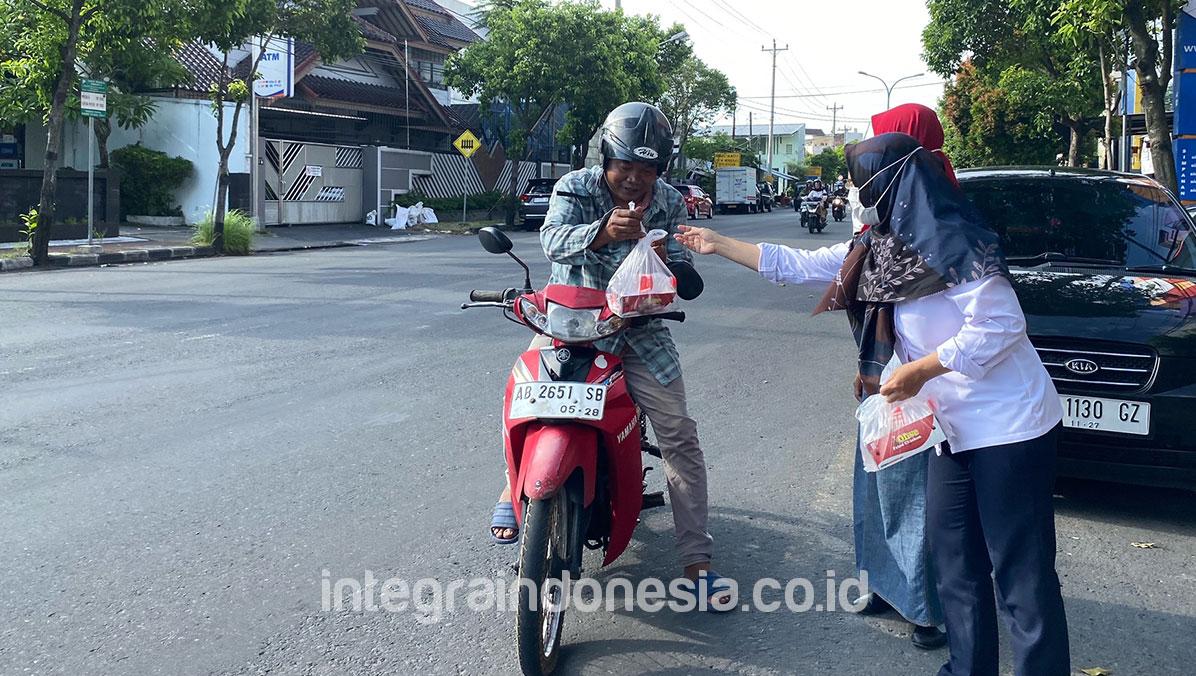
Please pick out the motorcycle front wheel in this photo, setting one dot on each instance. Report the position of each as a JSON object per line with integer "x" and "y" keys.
{"x": 543, "y": 560}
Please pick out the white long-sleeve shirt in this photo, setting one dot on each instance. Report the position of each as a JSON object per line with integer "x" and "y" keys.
{"x": 997, "y": 392}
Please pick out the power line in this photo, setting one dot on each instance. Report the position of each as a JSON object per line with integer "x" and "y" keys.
{"x": 847, "y": 93}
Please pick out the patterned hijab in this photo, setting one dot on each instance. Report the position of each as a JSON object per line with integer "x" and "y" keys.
{"x": 929, "y": 238}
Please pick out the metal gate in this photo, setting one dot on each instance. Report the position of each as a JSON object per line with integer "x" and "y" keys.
{"x": 306, "y": 183}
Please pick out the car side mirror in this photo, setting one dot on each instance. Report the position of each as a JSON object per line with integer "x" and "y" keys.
{"x": 495, "y": 241}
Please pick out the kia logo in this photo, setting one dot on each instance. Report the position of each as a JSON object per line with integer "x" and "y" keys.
{"x": 1081, "y": 366}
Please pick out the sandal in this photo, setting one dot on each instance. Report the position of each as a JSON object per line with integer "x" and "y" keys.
{"x": 504, "y": 519}
{"x": 711, "y": 585}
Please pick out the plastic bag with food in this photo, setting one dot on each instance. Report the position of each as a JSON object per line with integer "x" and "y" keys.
{"x": 643, "y": 284}
{"x": 892, "y": 432}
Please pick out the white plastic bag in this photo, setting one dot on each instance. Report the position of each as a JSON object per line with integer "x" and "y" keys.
{"x": 372, "y": 217}
{"x": 415, "y": 214}
{"x": 643, "y": 284}
{"x": 400, "y": 220}
{"x": 890, "y": 433}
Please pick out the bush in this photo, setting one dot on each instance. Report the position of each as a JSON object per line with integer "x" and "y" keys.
{"x": 238, "y": 232}
{"x": 149, "y": 180}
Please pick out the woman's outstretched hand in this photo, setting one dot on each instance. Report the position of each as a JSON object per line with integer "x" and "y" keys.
{"x": 699, "y": 240}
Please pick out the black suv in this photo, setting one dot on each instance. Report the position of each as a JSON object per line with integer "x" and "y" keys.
{"x": 1105, "y": 267}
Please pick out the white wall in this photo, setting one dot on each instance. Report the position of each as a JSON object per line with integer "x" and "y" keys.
{"x": 180, "y": 127}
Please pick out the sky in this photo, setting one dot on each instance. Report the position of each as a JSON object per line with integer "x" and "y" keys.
{"x": 828, "y": 44}
{"x": 826, "y": 50}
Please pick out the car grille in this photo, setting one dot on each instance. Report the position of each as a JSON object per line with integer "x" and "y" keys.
{"x": 1118, "y": 367}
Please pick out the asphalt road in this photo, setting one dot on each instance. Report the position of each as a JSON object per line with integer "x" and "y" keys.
{"x": 190, "y": 451}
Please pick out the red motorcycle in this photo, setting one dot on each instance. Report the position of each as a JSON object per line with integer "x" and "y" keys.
{"x": 573, "y": 438}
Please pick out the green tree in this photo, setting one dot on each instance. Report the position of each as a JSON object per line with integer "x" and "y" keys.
{"x": 521, "y": 62}
{"x": 833, "y": 162}
{"x": 1150, "y": 25}
{"x": 695, "y": 95}
{"x": 231, "y": 25}
{"x": 983, "y": 126}
{"x": 1012, "y": 46}
{"x": 42, "y": 44}
{"x": 130, "y": 65}
{"x": 704, "y": 146}
{"x": 614, "y": 58}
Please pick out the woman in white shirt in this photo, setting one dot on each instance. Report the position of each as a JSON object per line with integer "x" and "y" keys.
{"x": 928, "y": 282}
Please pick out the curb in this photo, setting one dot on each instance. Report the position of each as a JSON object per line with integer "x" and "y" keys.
{"x": 79, "y": 260}
{"x": 128, "y": 256}
{"x": 19, "y": 263}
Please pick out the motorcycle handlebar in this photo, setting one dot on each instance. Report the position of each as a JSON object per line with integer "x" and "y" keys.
{"x": 479, "y": 296}
{"x": 667, "y": 316}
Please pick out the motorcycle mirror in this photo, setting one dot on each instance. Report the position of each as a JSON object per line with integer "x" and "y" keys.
{"x": 689, "y": 282}
{"x": 495, "y": 241}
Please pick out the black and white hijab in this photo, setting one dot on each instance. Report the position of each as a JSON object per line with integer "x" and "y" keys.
{"x": 928, "y": 238}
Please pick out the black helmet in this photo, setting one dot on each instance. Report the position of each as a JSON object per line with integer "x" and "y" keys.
{"x": 638, "y": 132}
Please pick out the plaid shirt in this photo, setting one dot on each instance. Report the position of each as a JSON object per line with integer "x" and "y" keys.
{"x": 579, "y": 208}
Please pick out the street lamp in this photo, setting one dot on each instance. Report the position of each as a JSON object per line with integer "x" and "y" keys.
{"x": 889, "y": 88}
{"x": 676, "y": 37}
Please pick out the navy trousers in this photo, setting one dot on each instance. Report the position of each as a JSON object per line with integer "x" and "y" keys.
{"x": 990, "y": 519}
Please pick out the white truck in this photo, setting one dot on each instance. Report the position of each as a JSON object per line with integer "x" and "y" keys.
{"x": 735, "y": 189}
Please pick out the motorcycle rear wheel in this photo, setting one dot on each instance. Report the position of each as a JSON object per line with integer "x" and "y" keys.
{"x": 543, "y": 559}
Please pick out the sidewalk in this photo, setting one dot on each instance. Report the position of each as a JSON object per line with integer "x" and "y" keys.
{"x": 142, "y": 244}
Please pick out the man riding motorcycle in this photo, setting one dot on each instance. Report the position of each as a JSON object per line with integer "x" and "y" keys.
{"x": 595, "y": 217}
{"x": 819, "y": 191}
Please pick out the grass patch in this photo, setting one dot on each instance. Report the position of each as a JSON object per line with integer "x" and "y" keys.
{"x": 239, "y": 231}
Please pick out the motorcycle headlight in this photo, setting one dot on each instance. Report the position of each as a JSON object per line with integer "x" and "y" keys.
{"x": 533, "y": 315}
{"x": 569, "y": 325}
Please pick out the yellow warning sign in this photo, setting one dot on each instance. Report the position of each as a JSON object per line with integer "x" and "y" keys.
{"x": 467, "y": 144}
{"x": 722, "y": 160}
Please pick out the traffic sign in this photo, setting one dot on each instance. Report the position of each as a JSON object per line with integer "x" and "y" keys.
{"x": 467, "y": 144}
{"x": 724, "y": 160}
{"x": 93, "y": 98}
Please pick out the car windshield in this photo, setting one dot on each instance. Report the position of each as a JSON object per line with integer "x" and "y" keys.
{"x": 1128, "y": 222}
{"x": 540, "y": 188}
{"x": 683, "y": 189}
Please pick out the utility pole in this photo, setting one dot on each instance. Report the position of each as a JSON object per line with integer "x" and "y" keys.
{"x": 834, "y": 118}
{"x": 772, "y": 98}
{"x": 751, "y": 137}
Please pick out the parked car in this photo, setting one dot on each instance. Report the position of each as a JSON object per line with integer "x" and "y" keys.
{"x": 697, "y": 202}
{"x": 533, "y": 207}
{"x": 1105, "y": 267}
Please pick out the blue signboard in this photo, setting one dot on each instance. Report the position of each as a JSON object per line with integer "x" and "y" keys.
{"x": 1185, "y": 44}
{"x": 1185, "y": 167}
{"x": 1185, "y": 103}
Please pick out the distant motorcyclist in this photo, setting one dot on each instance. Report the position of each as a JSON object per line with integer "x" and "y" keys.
{"x": 818, "y": 191}
{"x": 801, "y": 194}
{"x": 840, "y": 187}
